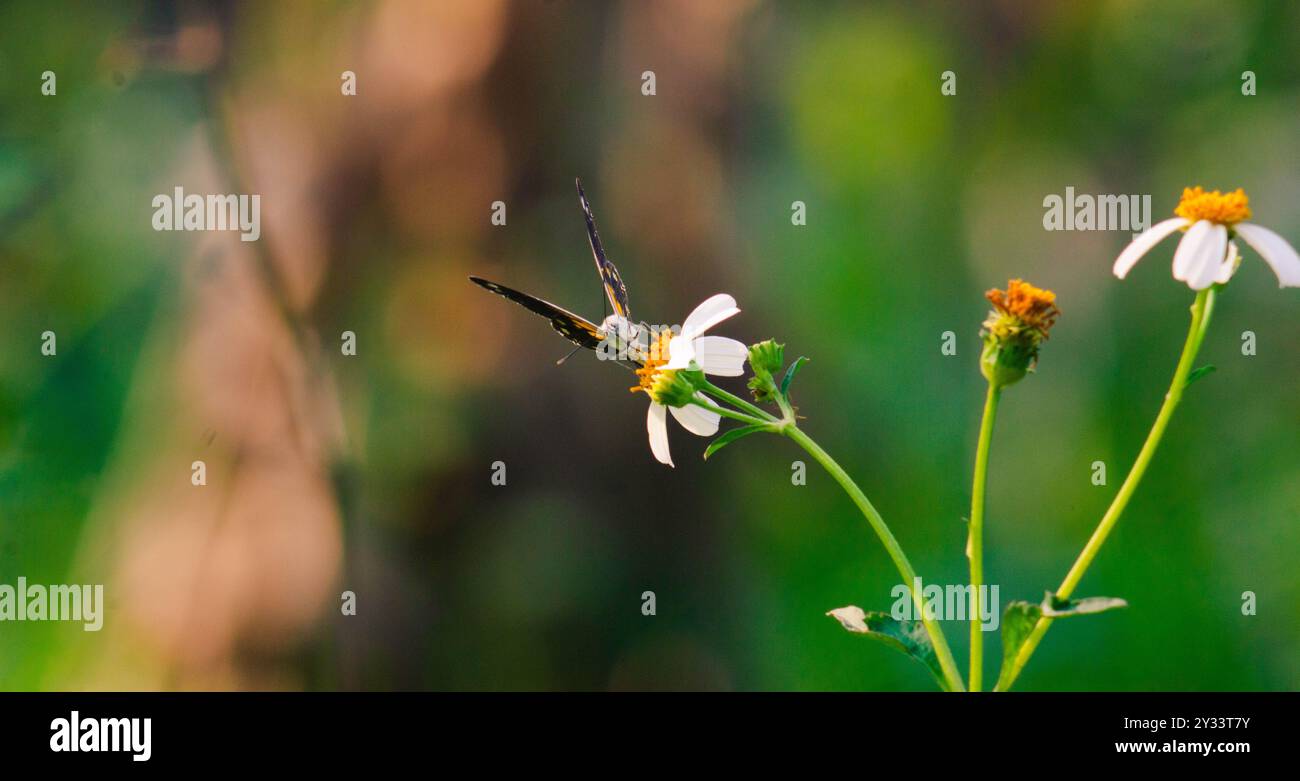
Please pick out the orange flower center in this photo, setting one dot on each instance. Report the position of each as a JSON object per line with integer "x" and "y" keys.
{"x": 1223, "y": 208}
{"x": 1033, "y": 306}
{"x": 655, "y": 357}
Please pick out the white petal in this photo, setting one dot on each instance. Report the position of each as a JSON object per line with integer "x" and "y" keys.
{"x": 681, "y": 351}
{"x": 1200, "y": 253}
{"x": 696, "y": 420}
{"x": 1229, "y": 266}
{"x": 1187, "y": 248}
{"x": 1208, "y": 259}
{"x": 1143, "y": 244}
{"x": 1275, "y": 251}
{"x": 656, "y": 424}
{"x": 721, "y": 356}
{"x": 713, "y": 311}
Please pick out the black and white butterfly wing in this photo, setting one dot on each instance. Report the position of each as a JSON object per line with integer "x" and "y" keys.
{"x": 576, "y": 329}
{"x": 615, "y": 290}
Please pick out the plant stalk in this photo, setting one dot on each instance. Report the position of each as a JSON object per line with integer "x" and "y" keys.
{"x": 1201, "y": 311}
{"x": 975, "y": 549}
{"x": 951, "y": 674}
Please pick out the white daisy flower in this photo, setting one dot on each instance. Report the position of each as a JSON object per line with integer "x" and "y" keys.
{"x": 688, "y": 350}
{"x": 1206, "y": 255}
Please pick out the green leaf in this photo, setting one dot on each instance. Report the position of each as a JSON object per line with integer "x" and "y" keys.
{"x": 1019, "y": 618}
{"x": 908, "y": 637}
{"x": 1063, "y": 608}
{"x": 730, "y": 436}
{"x": 1198, "y": 374}
{"x": 1017, "y": 622}
{"x": 789, "y": 375}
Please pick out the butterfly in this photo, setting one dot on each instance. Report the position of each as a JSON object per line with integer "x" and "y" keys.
{"x": 575, "y": 328}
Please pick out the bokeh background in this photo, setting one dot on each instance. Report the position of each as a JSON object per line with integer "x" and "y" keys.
{"x": 372, "y": 473}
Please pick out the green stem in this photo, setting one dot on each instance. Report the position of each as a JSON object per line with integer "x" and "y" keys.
{"x": 950, "y": 672}
{"x": 787, "y": 411}
{"x": 735, "y": 400}
{"x": 1201, "y": 310}
{"x": 975, "y": 549}
{"x": 728, "y": 413}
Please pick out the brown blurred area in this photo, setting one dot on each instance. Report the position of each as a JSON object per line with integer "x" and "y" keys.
{"x": 224, "y": 587}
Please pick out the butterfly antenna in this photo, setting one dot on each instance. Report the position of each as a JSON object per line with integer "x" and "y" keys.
{"x": 570, "y": 355}
{"x": 604, "y": 304}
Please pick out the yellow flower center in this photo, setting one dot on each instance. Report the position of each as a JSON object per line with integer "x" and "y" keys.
{"x": 655, "y": 357}
{"x": 1022, "y": 305}
{"x": 1223, "y": 208}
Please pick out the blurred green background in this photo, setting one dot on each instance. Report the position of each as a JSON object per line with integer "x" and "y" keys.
{"x": 372, "y": 473}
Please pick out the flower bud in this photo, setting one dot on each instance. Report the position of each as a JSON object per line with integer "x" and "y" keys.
{"x": 765, "y": 359}
{"x": 1006, "y": 362}
{"x": 1021, "y": 318}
